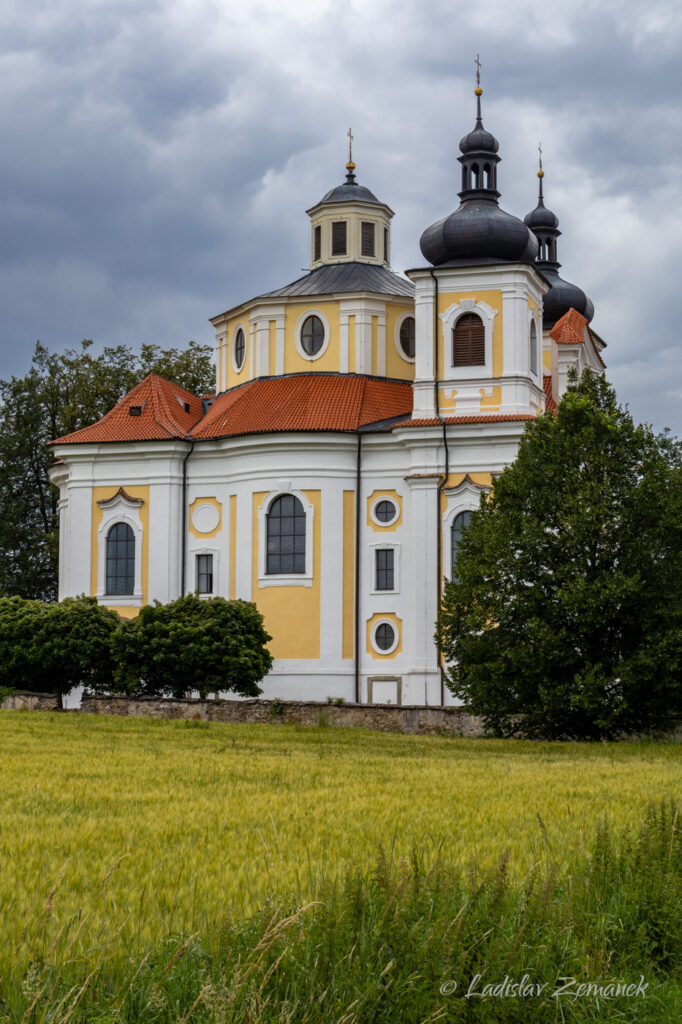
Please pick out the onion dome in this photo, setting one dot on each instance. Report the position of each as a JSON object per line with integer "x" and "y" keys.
{"x": 478, "y": 231}
{"x": 349, "y": 191}
{"x": 562, "y": 295}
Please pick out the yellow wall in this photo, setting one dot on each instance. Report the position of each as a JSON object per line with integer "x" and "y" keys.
{"x": 351, "y": 345}
{"x": 232, "y": 378}
{"x": 295, "y": 363}
{"x": 493, "y": 298}
{"x": 455, "y": 479}
{"x": 390, "y": 617}
{"x": 348, "y": 631}
{"x": 205, "y": 501}
{"x": 547, "y": 359}
{"x": 377, "y": 496}
{"x": 396, "y": 366}
{"x": 102, "y": 494}
{"x": 491, "y": 401}
{"x": 272, "y": 348}
{"x": 291, "y": 613}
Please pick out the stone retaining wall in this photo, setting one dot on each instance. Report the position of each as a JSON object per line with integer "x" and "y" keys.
{"x": 434, "y": 720}
{"x": 30, "y": 702}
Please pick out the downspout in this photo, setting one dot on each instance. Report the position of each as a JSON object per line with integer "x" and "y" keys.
{"x": 441, "y": 485}
{"x": 356, "y": 623}
{"x": 183, "y": 542}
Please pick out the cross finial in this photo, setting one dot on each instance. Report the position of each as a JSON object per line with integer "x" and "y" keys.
{"x": 350, "y": 145}
{"x": 478, "y": 92}
{"x": 540, "y": 170}
{"x": 478, "y": 70}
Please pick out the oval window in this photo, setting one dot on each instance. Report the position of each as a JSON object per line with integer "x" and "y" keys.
{"x": 385, "y": 511}
{"x": 384, "y": 637}
{"x": 407, "y": 337}
{"x": 239, "y": 349}
{"x": 312, "y": 335}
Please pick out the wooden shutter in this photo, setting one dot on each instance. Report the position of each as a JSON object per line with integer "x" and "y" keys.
{"x": 339, "y": 238}
{"x": 468, "y": 341}
{"x": 318, "y": 243}
{"x": 368, "y": 248}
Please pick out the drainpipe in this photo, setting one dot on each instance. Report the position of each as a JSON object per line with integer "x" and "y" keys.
{"x": 356, "y": 623}
{"x": 441, "y": 485}
{"x": 183, "y": 541}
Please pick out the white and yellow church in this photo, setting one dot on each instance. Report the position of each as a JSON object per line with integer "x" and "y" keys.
{"x": 358, "y": 417}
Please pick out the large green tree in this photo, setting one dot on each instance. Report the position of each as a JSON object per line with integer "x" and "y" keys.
{"x": 565, "y": 617}
{"x": 63, "y": 392}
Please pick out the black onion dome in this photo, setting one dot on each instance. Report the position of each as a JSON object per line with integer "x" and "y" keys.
{"x": 541, "y": 218}
{"x": 479, "y": 140}
{"x": 561, "y": 297}
{"x": 350, "y": 191}
{"x": 478, "y": 230}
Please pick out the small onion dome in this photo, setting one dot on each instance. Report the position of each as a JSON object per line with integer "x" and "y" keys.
{"x": 561, "y": 297}
{"x": 479, "y": 141}
{"x": 541, "y": 218}
{"x": 350, "y": 191}
{"x": 478, "y": 230}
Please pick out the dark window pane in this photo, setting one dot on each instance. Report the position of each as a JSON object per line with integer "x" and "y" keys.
{"x": 120, "y": 560}
{"x": 312, "y": 335}
{"x": 239, "y": 349}
{"x": 385, "y": 568}
{"x": 385, "y": 511}
{"x": 339, "y": 245}
{"x": 367, "y": 243}
{"x": 384, "y": 636}
{"x": 285, "y": 536}
{"x": 317, "y": 245}
{"x": 460, "y": 523}
{"x": 205, "y": 574}
{"x": 386, "y": 253}
{"x": 533, "y": 349}
{"x": 407, "y": 336}
{"x": 468, "y": 341}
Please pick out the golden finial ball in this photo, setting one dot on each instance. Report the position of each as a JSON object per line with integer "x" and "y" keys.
{"x": 350, "y": 166}
{"x": 541, "y": 174}
{"x": 478, "y": 91}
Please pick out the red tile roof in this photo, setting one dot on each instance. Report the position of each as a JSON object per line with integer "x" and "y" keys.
{"x": 313, "y": 401}
{"x": 550, "y": 404}
{"x": 309, "y": 401}
{"x": 167, "y": 412}
{"x": 491, "y": 418}
{"x": 570, "y": 329}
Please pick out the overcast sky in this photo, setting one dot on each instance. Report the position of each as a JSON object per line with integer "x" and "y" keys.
{"x": 158, "y": 157}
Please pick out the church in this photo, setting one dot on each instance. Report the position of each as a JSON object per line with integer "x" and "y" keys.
{"x": 359, "y": 416}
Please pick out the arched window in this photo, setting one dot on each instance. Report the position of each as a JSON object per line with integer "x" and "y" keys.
{"x": 239, "y": 349}
{"x": 468, "y": 341}
{"x": 533, "y": 348}
{"x": 461, "y": 521}
{"x": 120, "y": 575}
{"x": 312, "y": 335}
{"x": 407, "y": 337}
{"x": 285, "y": 532}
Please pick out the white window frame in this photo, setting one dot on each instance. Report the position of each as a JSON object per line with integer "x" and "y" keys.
{"x": 294, "y": 579}
{"x": 396, "y": 506}
{"x": 119, "y": 509}
{"x": 396, "y": 337}
{"x": 299, "y": 327}
{"x": 533, "y": 318}
{"x": 449, "y": 319}
{"x": 194, "y": 553}
{"x": 383, "y": 621}
{"x": 378, "y": 546}
{"x": 465, "y": 498}
{"x": 242, "y": 327}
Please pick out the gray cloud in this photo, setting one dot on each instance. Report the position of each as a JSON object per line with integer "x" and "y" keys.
{"x": 159, "y": 158}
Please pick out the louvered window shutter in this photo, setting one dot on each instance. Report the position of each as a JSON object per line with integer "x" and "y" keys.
{"x": 368, "y": 248}
{"x": 318, "y": 243}
{"x": 468, "y": 341}
{"x": 339, "y": 238}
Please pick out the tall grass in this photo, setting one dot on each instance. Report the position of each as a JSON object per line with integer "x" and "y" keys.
{"x": 387, "y": 944}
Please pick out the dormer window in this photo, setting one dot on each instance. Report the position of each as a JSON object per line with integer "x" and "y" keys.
{"x": 367, "y": 238}
{"x": 339, "y": 238}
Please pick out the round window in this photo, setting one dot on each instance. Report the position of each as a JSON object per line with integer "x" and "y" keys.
{"x": 384, "y": 637}
{"x": 407, "y": 337}
{"x": 239, "y": 349}
{"x": 312, "y": 335}
{"x": 385, "y": 511}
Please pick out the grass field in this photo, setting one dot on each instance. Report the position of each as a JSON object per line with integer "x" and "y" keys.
{"x": 163, "y": 826}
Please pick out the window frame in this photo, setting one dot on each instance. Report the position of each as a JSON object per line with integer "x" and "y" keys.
{"x": 304, "y": 579}
{"x": 332, "y": 253}
{"x": 129, "y": 575}
{"x": 198, "y": 555}
{"x": 299, "y": 329}
{"x": 380, "y": 522}
{"x": 469, "y": 314}
{"x": 317, "y": 243}
{"x": 398, "y": 327}
{"x": 120, "y": 508}
{"x": 384, "y": 621}
{"x": 233, "y": 348}
{"x": 383, "y": 546}
{"x": 368, "y": 224}
{"x": 449, "y": 319}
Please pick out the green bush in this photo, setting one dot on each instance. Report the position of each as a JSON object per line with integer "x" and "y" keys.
{"x": 52, "y": 648}
{"x": 191, "y": 644}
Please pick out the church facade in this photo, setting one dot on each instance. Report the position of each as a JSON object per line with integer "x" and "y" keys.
{"x": 359, "y": 416}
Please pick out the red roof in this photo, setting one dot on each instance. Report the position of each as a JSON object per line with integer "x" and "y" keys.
{"x": 491, "y": 418}
{"x": 570, "y": 329}
{"x": 550, "y": 404}
{"x": 167, "y": 411}
{"x": 312, "y": 401}
{"x": 308, "y": 401}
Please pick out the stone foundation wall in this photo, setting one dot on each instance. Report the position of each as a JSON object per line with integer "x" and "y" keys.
{"x": 30, "y": 702}
{"x": 425, "y": 720}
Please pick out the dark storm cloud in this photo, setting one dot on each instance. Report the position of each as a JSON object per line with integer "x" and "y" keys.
{"x": 158, "y": 158}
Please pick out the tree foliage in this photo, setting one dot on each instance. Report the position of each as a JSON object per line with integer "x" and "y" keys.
{"x": 567, "y": 607}
{"x": 62, "y": 393}
{"x": 191, "y": 644}
{"x": 52, "y": 648}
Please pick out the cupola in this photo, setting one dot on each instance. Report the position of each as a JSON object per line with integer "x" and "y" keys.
{"x": 349, "y": 224}
{"x": 562, "y": 295}
{"x": 478, "y": 231}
